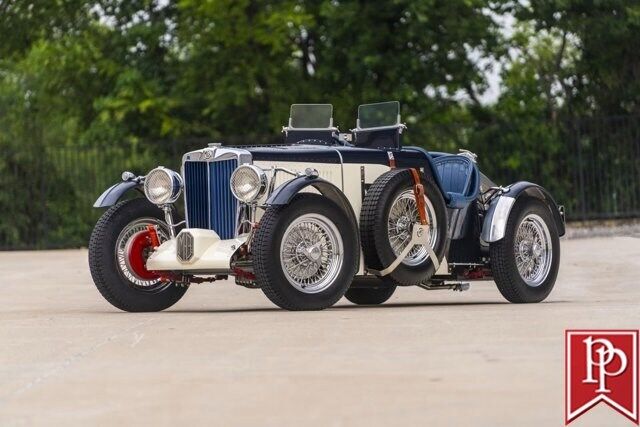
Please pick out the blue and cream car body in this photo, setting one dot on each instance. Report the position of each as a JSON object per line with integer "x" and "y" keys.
{"x": 358, "y": 224}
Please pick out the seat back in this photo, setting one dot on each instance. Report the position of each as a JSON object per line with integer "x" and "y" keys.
{"x": 459, "y": 178}
{"x": 379, "y": 126}
{"x": 455, "y": 173}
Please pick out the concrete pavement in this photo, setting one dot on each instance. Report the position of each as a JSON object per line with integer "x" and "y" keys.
{"x": 225, "y": 356}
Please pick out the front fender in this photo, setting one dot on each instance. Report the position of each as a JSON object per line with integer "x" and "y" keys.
{"x": 113, "y": 194}
{"x": 495, "y": 221}
{"x": 285, "y": 192}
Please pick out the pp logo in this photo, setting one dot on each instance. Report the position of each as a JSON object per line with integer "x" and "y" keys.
{"x": 601, "y": 366}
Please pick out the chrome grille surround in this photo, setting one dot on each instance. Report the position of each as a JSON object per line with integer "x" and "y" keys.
{"x": 209, "y": 203}
{"x": 184, "y": 246}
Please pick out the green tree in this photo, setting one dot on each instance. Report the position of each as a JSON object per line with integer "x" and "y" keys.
{"x": 606, "y": 76}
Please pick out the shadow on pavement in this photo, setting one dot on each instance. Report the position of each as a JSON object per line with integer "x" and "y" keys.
{"x": 357, "y": 307}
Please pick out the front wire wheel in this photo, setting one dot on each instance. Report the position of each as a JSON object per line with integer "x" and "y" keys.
{"x": 311, "y": 253}
{"x": 305, "y": 253}
{"x": 525, "y": 261}
{"x": 118, "y": 270}
{"x": 137, "y": 277}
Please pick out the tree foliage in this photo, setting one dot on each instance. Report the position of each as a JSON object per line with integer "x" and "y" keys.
{"x": 127, "y": 77}
{"x": 129, "y": 71}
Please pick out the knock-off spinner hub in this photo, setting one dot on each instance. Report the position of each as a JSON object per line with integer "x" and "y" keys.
{"x": 403, "y": 223}
{"x": 530, "y": 249}
{"x": 313, "y": 253}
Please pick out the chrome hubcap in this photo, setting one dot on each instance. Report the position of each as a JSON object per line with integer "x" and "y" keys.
{"x": 311, "y": 252}
{"x": 403, "y": 214}
{"x": 533, "y": 250}
{"x": 122, "y": 241}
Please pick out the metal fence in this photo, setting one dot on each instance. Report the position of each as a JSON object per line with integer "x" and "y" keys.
{"x": 607, "y": 176}
{"x": 592, "y": 166}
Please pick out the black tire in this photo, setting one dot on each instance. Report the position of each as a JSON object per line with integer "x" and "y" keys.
{"x": 503, "y": 258}
{"x": 107, "y": 274}
{"x": 269, "y": 271}
{"x": 378, "y": 253}
{"x": 369, "y": 291}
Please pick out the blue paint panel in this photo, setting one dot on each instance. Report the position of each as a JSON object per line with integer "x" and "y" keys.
{"x": 210, "y": 203}
{"x": 196, "y": 194}
{"x": 223, "y": 204}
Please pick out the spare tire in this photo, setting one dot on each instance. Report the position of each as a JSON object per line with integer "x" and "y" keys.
{"x": 388, "y": 214}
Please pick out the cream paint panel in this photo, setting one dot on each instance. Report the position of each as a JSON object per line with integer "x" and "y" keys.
{"x": 210, "y": 253}
{"x": 352, "y": 180}
{"x": 213, "y": 253}
{"x": 330, "y": 172}
{"x": 353, "y": 190}
{"x": 334, "y": 174}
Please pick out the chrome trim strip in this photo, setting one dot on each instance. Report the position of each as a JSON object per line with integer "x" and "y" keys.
{"x": 289, "y": 128}
{"x": 186, "y": 209}
{"x": 208, "y": 197}
{"x": 399, "y": 126}
{"x": 341, "y": 167}
{"x": 495, "y": 221}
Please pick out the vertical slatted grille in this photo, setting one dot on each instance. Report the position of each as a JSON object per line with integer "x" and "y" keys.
{"x": 196, "y": 194}
{"x": 210, "y": 203}
{"x": 223, "y": 210}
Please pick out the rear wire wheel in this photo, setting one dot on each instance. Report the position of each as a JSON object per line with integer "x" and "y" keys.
{"x": 526, "y": 260}
{"x": 389, "y": 211}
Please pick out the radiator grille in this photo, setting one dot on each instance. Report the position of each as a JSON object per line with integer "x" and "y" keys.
{"x": 210, "y": 203}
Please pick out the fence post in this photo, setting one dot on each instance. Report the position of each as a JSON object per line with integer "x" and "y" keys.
{"x": 575, "y": 128}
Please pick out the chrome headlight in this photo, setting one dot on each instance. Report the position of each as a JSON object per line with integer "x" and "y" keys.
{"x": 162, "y": 186}
{"x": 248, "y": 183}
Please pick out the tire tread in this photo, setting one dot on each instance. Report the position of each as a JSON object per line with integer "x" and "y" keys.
{"x": 261, "y": 247}
{"x": 372, "y": 239}
{"x": 505, "y": 273}
{"x": 112, "y": 288}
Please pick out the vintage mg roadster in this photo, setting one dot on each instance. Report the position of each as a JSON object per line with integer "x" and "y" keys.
{"x": 322, "y": 216}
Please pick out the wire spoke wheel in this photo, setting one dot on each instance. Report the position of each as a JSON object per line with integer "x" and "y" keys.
{"x": 312, "y": 253}
{"x": 403, "y": 214}
{"x": 533, "y": 250}
{"x": 123, "y": 241}
{"x": 119, "y": 248}
{"x": 387, "y": 218}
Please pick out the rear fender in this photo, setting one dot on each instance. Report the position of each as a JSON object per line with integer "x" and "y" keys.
{"x": 495, "y": 221}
